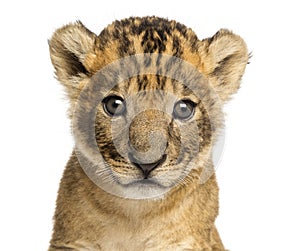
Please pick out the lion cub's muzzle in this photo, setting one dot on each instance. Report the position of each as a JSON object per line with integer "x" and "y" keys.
{"x": 148, "y": 136}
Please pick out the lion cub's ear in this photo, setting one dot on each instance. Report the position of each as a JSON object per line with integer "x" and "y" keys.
{"x": 224, "y": 58}
{"x": 69, "y": 47}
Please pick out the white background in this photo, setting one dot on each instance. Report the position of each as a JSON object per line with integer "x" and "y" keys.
{"x": 259, "y": 175}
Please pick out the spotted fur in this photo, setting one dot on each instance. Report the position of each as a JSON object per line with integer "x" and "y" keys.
{"x": 87, "y": 217}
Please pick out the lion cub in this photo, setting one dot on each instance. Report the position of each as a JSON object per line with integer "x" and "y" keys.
{"x": 146, "y": 107}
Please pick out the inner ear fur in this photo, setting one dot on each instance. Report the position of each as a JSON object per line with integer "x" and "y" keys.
{"x": 224, "y": 58}
{"x": 69, "y": 47}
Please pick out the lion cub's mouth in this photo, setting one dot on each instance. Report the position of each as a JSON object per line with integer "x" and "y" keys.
{"x": 145, "y": 183}
{"x": 145, "y": 179}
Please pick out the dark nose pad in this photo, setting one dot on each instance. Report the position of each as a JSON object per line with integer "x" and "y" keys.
{"x": 146, "y": 168}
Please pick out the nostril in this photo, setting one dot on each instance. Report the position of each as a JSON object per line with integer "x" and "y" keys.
{"x": 147, "y": 167}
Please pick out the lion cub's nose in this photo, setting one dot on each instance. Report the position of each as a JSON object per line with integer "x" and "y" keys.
{"x": 147, "y": 167}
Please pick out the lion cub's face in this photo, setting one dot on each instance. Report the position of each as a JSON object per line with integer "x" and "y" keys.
{"x": 146, "y": 99}
{"x": 151, "y": 134}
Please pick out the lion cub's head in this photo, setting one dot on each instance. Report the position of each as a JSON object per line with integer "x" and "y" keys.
{"x": 146, "y": 98}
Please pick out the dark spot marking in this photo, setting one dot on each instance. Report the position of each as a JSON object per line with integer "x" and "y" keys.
{"x": 161, "y": 81}
{"x": 104, "y": 38}
{"x": 142, "y": 82}
{"x": 177, "y": 50}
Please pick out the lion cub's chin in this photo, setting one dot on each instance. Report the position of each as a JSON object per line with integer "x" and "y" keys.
{"x": 140, "y": 189}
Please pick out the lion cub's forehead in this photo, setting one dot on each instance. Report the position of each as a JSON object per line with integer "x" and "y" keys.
{"x": 153, "y": 87}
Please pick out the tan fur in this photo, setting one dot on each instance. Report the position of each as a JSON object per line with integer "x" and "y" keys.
{"x": 87, "y": 217}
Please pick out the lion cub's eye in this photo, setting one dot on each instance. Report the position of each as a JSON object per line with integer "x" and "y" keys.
{"x": 184, "y": 109}
{"x": 114, "y": 105}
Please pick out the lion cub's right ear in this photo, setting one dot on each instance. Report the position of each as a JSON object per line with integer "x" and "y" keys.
{"x": 69, "y": 47}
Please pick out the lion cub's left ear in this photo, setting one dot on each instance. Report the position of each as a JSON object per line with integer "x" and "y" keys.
{"x": 224, "y": 58}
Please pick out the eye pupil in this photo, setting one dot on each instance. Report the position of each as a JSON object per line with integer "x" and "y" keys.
{"x": 184, "y": 109}
{"x": 114, "y": 105}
